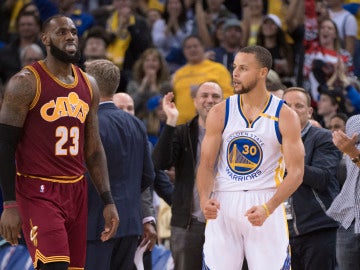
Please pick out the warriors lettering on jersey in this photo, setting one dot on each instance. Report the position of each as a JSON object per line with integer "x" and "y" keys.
{"x": 244, "y": 156}
{"x": 71, "y": 106}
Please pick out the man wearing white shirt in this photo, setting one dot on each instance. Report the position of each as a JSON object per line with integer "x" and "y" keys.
{"x": 345, "y": 23}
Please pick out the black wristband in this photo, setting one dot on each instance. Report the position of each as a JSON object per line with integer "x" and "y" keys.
{"x": 107, "y": 198}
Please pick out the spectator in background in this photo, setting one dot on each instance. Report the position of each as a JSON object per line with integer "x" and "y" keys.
{"x": 187, "y": 79}
{"x": 31, "y": 54}
{"x": 312, "y": 232}
{"x": 354, "y": 8}
{"x": 180, "y": 146}
{"x": 132, "y": 36}
{"x": 150, "y": 75}
{"x": 155, "y": 118}
{"x": 330, "y": 103}
{"x": 272, "y": 37}
{"x": 218, "y": 35}
{"x": 206, "y": 19}
{"x": 281, "y": 9}
{"x": 352, "y": 97}
{"x": 124, "y": 102}
{"x": 94, "y": 5}
{"x": 294, "y": 22}
{"x": 9, "y": 11}
{"x": 345, "y": 207}
{"x": 169, "y": 33}
{"x": 345, "y": 23}
{"x": 26, "y": 7}
{"x": 338, "y": 122}
{"x": 30, "y": 8}
{"x": 230, "y": 44}
{"x": 95, "y": 44}
{"x": 253, "y": 15}
{"x": 348, "y": 86}
{"x": 274, "y": 84}
{"x": 322, "y": 51}
{"x": 28, "y": 30}
{"x": 47, "y": 8}
{"x": 154, "y": 13}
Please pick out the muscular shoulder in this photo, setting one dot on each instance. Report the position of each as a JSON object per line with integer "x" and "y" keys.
{"x": 19, "y": 93}
{"x": 286, "y": 113}
{"x": 216, "y": 117}
{"x": 22, "y": 86}
{"x": 289, "y": 121}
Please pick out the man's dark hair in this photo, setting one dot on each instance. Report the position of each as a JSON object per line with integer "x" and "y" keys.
{"x": 48, "y": 20}
{"x": 340, "y": 115}
{"x": 27, "y": 14}
{"x": 193, "y": 36}
{"x": 98, "y": 32}
{"x": 262, "y": 55}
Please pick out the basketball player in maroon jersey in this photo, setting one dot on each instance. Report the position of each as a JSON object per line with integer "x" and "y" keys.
{"x": 48, "y": 124}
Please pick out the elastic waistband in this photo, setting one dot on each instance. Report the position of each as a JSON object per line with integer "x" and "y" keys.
{"x": 56, "y": 179}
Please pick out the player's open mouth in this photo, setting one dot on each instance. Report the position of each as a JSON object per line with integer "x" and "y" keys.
{"x": 71, "y": 48}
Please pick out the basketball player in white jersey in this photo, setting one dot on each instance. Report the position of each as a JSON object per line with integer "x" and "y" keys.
{"x": 249, "y": 137}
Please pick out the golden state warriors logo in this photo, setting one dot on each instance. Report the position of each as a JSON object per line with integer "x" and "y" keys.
{"x": 244, "y": 155}
{"x": 71, "y": 106}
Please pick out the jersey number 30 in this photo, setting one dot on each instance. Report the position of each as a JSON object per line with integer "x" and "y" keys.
{"x": 64, "y": 134}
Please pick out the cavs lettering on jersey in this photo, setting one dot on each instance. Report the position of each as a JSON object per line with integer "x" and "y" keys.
{"x": 53, "y": 141}
{"x": 250, "y": 155}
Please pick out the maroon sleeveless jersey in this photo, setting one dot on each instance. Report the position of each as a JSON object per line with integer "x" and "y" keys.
{"x": 52, "y": 146}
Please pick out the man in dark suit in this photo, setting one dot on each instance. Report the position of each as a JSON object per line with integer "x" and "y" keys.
{"x": 312, "y": 232}
{"x": 131, "y": 171}
{"x": 162, "y": 185}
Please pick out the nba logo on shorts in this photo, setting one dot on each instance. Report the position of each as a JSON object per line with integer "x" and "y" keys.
{"x": 42, "y": 188}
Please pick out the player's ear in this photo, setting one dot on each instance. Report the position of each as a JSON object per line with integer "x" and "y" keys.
{"x": 45, "y": 39}
{"x": 264, "y": 72}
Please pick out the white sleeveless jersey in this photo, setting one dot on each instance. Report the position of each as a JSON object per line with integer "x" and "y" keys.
{"x": 250, "y": 155}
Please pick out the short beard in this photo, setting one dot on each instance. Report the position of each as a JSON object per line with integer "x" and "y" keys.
{"x": 64, "y": 56}
{"x": 244, "y": 89}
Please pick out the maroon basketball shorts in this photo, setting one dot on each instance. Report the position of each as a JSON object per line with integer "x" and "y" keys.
{"x": 54, "y": 217}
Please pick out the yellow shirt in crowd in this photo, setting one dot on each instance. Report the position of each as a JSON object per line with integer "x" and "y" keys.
{"x": 189, "y": 77}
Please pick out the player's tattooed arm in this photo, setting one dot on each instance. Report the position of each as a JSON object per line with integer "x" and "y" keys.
{"x": 19, "y": 93}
